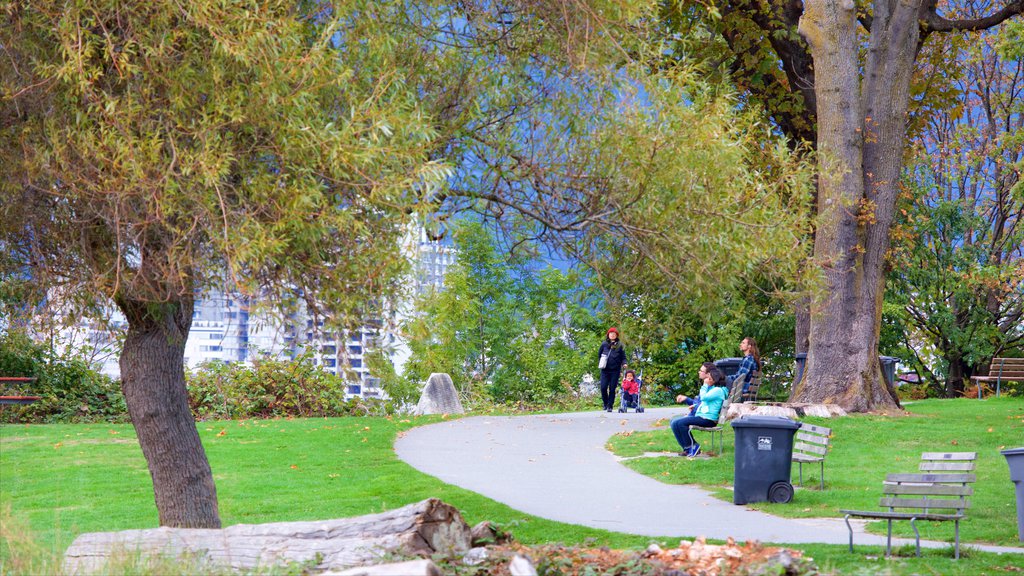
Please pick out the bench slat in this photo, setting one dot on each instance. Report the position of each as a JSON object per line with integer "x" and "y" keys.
{"x": 818, "y": 430}
{"x": 807, "y": 458}
{"x": 932, "y": 478}
{"x": 812, "y": 438}
{"x": 902, "y": 515}
{"x": 946, "y": 466}
{"x": 924, "y": 503}
{"x": 949, "y": 456}
{"x": 801, "y": 447}
{"x": 937, "y": 489}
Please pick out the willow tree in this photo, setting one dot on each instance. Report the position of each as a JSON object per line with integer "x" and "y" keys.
{"x": 150, "y": 151}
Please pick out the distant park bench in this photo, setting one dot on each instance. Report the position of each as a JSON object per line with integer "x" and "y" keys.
{"x": 1001, "y": 370}
{"x": 940, "y": 494}
{"x": 9, "y": 399}
{"x": 810, "y": 447}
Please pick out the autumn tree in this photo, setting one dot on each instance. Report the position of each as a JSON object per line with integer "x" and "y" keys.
{"x": 958, "y": 250}
{"x": 152, "y": 150}
{"x": 862, "y": 113}
{"x": 840, "y": 74}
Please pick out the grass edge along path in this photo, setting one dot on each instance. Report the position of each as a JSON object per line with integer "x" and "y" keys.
{"x": 57, "y": 481}
{"x": 864, "y": 449}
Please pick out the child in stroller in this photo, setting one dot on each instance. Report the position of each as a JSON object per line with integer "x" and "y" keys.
{"x": 630, "y": 393}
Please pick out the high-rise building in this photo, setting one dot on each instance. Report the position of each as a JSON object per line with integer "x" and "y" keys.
{"x": 228, "y": 327}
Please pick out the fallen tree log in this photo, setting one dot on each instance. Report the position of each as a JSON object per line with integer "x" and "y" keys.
{"x": 786, "y": 410}
{"x": 420, "y": 529}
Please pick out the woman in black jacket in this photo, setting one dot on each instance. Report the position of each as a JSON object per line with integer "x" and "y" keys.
{"x": 612, "y": 361}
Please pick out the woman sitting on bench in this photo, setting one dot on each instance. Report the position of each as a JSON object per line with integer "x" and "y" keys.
{"x": 712, "y": 395}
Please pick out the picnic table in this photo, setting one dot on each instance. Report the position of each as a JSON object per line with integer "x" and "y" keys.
{"x": 16, "y": 399}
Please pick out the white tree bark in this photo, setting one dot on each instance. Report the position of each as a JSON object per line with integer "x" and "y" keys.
{"x": 422, "y": 529}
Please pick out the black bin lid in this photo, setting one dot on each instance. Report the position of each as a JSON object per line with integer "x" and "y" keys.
{"x": 766, "y": 422}
{"x": 1012, "y": 452}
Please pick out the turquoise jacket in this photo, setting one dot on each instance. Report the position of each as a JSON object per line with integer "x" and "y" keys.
{"x": 711, "y": 399}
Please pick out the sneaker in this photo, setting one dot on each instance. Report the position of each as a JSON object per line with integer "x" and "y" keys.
{"x": 693, "y": 451}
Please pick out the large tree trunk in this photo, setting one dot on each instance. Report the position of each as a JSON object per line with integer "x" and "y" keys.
{"x": 153, "y": 381}
{"x": 861, "y": 131}
{"x": 955, "y": 376}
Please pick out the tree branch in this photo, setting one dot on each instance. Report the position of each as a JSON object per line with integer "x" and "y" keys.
{"x": 932, "y": 22}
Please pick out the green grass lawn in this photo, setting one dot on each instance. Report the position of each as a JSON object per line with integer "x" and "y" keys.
{"x": 57, "y": 481}
{"x": 864, "y": 449}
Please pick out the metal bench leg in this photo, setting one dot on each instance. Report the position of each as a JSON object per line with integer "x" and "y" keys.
{"x": 917, "y": 535}
{"x": 850, "y": 528}
{"x": 888, "y": 540}
{"x": 956, "y": 549}
{"x": 822, "y": 483}
{"x": 801, "y": 466}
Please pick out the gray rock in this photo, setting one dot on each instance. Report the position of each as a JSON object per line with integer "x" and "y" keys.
{"x": 439, "y": 396}
{"x": 475, "y": 556}
{"x": 520, "y": 566}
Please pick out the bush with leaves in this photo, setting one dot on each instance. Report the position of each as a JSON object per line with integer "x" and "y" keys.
{"x": 270, "y": 388}
{"x": 69, "y": 389}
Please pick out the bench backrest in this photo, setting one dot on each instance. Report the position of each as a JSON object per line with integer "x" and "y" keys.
{"x": 942, "y": 489}
{"x": 753, "y": 387}
{"x": 1006, "y": 368}
{"x": 948, "y": 461}
{"x": 812, "y": 441}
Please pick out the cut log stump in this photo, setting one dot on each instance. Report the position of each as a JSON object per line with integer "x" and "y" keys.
{"x": 422, "y": 529}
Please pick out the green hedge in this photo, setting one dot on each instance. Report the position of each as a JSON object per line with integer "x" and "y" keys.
{"x": 270, "y": 388}
{"x": 70, "y": 390}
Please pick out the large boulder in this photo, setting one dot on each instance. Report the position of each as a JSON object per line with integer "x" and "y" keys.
{"x": 439, "y": 396}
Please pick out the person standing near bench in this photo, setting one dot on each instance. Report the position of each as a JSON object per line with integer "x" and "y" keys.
{"x": 612, "y": 360}
{"x": 712, "y": 395}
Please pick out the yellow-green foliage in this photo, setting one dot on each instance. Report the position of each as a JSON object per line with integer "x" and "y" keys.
{"x": 153, "y": 149}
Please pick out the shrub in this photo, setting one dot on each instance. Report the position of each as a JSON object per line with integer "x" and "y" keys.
{"x": 269, "y": 388}
{"x": 70, "y": 390}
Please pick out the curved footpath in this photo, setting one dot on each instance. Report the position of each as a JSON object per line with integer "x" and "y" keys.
{"x": 556, "y": 467}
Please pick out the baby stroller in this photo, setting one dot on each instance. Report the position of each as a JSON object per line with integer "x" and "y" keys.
{"x": 632, "y": 400}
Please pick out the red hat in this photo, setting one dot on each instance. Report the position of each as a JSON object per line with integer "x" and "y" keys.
{"x": 610, "y": 330}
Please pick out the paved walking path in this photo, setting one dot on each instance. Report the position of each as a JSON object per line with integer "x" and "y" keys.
{"x": 556, "y": 467}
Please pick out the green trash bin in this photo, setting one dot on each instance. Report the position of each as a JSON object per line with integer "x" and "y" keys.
{"x": 764, "y": 457}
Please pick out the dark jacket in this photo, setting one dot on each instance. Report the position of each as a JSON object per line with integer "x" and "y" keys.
{"x": 616, "y": 354}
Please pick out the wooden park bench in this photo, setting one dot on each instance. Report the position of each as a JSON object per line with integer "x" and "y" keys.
{"x": 7, "y": 399}
{"x": 940, "y": 494}
{"x": 755, "y": 384}
{"x": 810, "y": 446}
{"x": 1001, "y": 370}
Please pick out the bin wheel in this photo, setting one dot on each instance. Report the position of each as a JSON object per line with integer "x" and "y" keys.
{"x": 640, "y": 410}
{"x": 780, "y": 492}
{"x": 622, "y": 410}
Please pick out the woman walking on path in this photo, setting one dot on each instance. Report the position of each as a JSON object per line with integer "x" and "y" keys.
{"x": 712, "y": 395}
{"x": 612, "y": 360}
